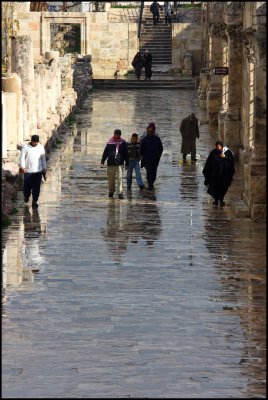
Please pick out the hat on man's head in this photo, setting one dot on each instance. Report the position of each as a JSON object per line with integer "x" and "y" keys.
{"x": 151, "y": 126}
{"x": 35, "y": 138}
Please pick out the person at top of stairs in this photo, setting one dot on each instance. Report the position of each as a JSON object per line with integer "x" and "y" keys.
{"x": 168, "y": 12}
{"x": 154, "y": 8}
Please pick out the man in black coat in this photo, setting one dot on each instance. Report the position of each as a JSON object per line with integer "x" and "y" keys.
{"x": 148, "y": 64}
{"x": 155, "y": 10}
{"x": 151, "y": 149}
{"x": 218, "y": 172}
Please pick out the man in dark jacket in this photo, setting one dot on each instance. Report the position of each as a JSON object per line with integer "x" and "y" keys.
{"x": 116, "y": 153}
{"x": 189, "y": 132}
{"x": 154, "y": 8}
{"x": 151, "y": 149}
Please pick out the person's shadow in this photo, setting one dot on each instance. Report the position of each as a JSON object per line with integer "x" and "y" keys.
{"x": 134, "y": 222}
{"x": 144, "y": 219}
{"x": 115, "y": 233}
{"x": 189, "y": 182}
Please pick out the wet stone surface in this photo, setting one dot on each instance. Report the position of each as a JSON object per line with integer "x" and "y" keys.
{"x": 160, "y": 294}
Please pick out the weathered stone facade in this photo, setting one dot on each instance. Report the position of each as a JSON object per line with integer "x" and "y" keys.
{"x": 187, "y": 47}
{"x": 235, "y": 37}
{"x": 37, "y": 98}
{"x": 42, "y": 91}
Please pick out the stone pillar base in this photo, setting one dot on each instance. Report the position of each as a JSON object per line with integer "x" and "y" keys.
{"x": 254, "y": 191}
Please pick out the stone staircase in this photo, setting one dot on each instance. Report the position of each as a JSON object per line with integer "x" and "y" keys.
{"x": 156, "y": 38}
{"x": 157, "y": 82}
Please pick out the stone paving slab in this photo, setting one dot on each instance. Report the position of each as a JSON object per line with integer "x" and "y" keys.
{"x": 158, "y": 295}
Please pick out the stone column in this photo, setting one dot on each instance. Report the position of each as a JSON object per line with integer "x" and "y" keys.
{"x": 202, "y": 90}
{"x": 12, "y": 84}
{"x": 257, "y": 162}
{"x": 40, "y": 98}
{"x": 4, "y": 128}
{"x": 22, "y": 63}
{"x": 232, "y": 118}
{"x": 214, "y": 88}
{"x": 11, "y": 125}
{"x": 233, "y": 19}
{"x": 216, "y": 30}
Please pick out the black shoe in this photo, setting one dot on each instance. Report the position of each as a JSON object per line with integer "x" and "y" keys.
{"x": 110, "y": 194}
{"x": 193, "y": 159}
{"x": 128, "y": 188}
{"x": 215, "y": 203}
{"x": 121, "y": 196}
{"x": 222, "y": 204}
{"x": 26, "y": 199}
{"x": 34, "y": 204}
{"x": 142, "y": 187}
{"x": 151, "y": 187}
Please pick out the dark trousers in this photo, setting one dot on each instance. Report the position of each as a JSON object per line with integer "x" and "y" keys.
{"x": 167, "y": 19}
{"x": 32, "y": 184}
{"x": 151, "y": 170}
{"x": 156, "y": 18}
{"x": 148, "y": 71}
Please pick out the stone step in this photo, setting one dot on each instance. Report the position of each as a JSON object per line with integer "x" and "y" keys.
{"x": 142, "y": 84}
{"x": 160, "y": 42}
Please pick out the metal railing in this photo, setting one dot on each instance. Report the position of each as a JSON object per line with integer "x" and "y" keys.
{"x": 140, "y": 19}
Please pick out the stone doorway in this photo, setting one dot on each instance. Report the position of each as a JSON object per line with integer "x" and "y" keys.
{"x": 65, "y": 38}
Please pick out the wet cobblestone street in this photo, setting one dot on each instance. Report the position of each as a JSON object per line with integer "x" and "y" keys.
{"x": 157, "y": 295}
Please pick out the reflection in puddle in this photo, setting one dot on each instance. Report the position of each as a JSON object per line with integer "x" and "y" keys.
{"x": 136, "y": 222}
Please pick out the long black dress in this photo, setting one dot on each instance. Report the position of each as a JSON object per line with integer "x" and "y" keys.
{"x": 148, "y": 65}
{"x": 218, "y": 172}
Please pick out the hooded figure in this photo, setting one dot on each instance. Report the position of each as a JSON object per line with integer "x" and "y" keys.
{"x": 218, "y": 172}
{"x": 151, "y": 149}
{"x": 148, "y": 64}
{"x": 137, "y": 64}
{"x": 189, "y": 132}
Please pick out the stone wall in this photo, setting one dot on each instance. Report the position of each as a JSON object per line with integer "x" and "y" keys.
{"x": 236, "y": 103}
{"x": 111, "y": 45}
{"x": 187, "y": 41}
{"x": 36, "y": 99}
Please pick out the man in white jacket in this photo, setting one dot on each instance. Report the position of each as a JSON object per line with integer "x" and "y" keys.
{"x": 33, "y": 165}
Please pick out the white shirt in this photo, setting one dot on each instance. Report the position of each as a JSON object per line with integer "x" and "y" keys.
{"x": 33, "y": 158}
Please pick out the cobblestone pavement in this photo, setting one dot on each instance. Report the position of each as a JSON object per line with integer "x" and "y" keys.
{"x": 156, "y": 295}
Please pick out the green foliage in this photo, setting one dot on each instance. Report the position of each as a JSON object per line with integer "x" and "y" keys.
{"x": 124, "y": 6}
{"x": 72, "y": 118}
{"x": 6, "y": 221}
{"x": 14, "y": 211}
{"x": 190, "y": 5}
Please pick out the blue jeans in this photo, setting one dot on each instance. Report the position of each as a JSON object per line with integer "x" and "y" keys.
{"x": 134, "y": 164}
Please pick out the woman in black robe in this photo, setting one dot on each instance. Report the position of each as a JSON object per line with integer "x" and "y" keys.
{"x": 148, "y": 64}
{"x": 218, "y": 172}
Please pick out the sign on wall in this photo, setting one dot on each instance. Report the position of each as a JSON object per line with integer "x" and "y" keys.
{"x": 220, "y": 70}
